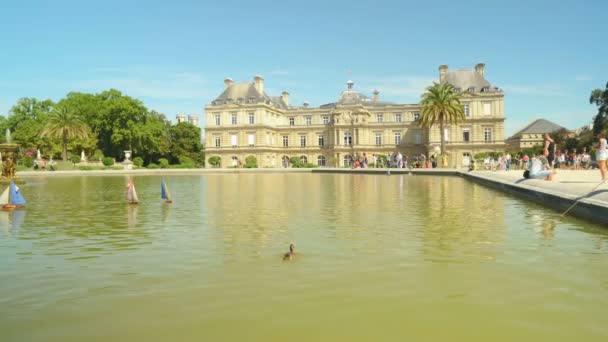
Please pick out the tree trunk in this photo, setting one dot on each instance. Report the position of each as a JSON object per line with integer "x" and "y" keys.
{"x": 65, "y": 146}
{"x": 442, "y": 137}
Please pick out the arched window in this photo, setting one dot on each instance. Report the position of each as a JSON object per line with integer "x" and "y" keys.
{"x": 320, "y": 161}
{"x": 303, "y": 159}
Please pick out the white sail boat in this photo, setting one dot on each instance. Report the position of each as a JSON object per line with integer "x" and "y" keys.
{"x": 131, "y": 195}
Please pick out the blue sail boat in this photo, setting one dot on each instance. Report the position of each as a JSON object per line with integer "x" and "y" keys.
{"x": 12, "y": 198}
{"x": 165, "y": 194}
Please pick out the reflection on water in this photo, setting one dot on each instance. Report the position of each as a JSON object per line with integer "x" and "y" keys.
{"x": 377, "y": 253}
{"x": 132, "y": 210}
{"x": 10, "y": 221}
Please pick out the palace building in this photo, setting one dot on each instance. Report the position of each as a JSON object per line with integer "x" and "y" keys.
{"x": 243, "y": 121}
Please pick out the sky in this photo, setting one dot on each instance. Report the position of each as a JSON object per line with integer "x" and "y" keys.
{"x": 547, "y": 56}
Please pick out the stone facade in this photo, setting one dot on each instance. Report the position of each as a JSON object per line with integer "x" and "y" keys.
{"x": 245, "y": 121}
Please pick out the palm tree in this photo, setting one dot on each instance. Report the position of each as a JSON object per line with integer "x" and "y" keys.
{"x": 63, "y": 124}
{"x": 441, "y": 103}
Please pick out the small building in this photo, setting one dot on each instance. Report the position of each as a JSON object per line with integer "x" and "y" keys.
{"x": 532, "y": 134}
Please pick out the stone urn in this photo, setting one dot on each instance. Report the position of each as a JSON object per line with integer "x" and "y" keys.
{"x": 127, "y": 163}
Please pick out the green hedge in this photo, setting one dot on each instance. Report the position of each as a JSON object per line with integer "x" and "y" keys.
{"x": 108, "y": 161}
{"x": 138, "y": 161}
{"x": 251, "y": 162}
{"x": 215, "y": 161}
{"x": 27, "y": 161}
{"x": 163, "y": 162}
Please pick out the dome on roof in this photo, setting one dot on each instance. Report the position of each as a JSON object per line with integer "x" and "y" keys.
{"x": 353, "y": 97}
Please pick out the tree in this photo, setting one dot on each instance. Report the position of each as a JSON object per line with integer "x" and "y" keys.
{"x": 25, "y": 120}
{"x": 441, "y": 103}
{"x": 63, "y": 124}
{"x": 186, "y": 141}
{"x": 120, "y": 123}
{"x": 27, "y": 109}
{"x": 600, "y": 99}
{"x": 154, "y": 137}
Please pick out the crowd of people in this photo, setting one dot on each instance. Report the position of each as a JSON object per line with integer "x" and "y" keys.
{"x": 546, "y": 163}
{"x": 393, "y": 160}
{"x": 42, "y": 164}
{"x": 544, "y": 166}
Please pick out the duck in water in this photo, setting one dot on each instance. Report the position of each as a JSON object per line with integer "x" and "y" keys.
{"x": 291, "y": 254}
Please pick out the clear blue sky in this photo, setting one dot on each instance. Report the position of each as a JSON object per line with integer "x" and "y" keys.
{"x": 174, "y": 55}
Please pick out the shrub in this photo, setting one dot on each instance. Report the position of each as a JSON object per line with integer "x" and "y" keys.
{"x": 138, "y": 161}
{"x": 27, "y": 161}
{"x": 21, "y": 168}
{"x": 97, "y": 156}
{"x": 85, "y": 168}
{"x": 251, "y": 162}
{"x": 295, "y": 162}
{"x": 163, "y": 162}
{"x": 215, "y": 161}
{"x": 153, "y": 166}
{"x": 186, "y": 162}
{"x": 74, "y": 158}
{"x": 108, "y": 161}
{"x": 310, "y": 165}
{"x": 481, "y": 155}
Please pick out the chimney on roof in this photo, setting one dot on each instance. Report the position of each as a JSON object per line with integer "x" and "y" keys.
{"x": 285, "y": 97}
{"x": 443, "y": 70}
{"x": 259, "y": 84}
{"x": 228, "y": 82}
{"x": 193, "y": 119}
{"x": 376, "y": 95}
{"x": 480, "y": 68}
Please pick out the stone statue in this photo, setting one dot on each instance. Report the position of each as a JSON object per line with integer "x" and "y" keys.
{"x": 8, "y": 167}
{"x": 83, "y": 158}
{"x": 38, "y": 157}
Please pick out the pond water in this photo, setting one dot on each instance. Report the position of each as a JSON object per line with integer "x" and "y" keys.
{"x": 377, "y": 258}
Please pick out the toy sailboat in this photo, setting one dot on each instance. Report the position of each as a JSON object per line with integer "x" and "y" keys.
{"x": 11, "y": 198}
{"x": 131, "y": 193}
{"x": 165, "y": 194}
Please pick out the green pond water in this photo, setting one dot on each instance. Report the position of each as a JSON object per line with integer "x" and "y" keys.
{"x": 378, "y": 258}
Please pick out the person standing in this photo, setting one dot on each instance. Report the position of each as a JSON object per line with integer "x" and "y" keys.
{"x": 549, "y": 149}
{"x": 602, "y": 155}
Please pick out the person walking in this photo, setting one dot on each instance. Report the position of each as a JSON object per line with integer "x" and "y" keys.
{"x": 602, "y": 155}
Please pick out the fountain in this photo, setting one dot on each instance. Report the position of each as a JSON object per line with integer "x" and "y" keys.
{"x": 9, "y": 153}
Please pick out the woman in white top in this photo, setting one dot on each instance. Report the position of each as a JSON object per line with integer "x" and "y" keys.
{"x": 602, "y": 154}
